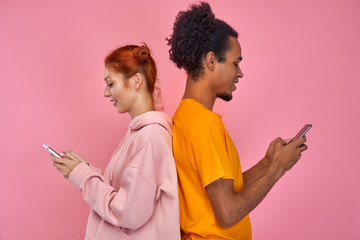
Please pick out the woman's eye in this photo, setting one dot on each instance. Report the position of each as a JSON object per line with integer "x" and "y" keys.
{"x": 110, "y": 84}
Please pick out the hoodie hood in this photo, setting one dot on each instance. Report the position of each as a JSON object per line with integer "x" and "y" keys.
{"x": 152, "y": 117}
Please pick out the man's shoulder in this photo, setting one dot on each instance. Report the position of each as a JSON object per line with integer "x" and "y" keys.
{"x": 191, "y": 112}
{"x": 196, "y": 119}
{"x": 197, "y": 125}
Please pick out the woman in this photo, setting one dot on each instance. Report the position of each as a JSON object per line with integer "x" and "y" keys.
{"x": 136, "y": 197}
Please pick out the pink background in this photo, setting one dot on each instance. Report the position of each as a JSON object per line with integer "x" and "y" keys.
{"x": 301, "y": 65}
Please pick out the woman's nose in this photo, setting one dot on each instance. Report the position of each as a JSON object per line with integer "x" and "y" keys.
{"x": 106, "y": 92}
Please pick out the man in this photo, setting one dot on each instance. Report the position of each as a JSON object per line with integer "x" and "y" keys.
{"x": 215, "y": 196}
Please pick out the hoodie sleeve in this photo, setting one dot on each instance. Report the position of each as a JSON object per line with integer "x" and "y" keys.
{"x": 96, "y": 169}
{"x": 129, "y": 207}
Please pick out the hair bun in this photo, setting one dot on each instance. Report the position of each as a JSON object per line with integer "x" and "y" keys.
{"x": 142, "y": 53}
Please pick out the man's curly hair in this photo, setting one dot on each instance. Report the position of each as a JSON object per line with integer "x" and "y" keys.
{"x": 195, "y": 33}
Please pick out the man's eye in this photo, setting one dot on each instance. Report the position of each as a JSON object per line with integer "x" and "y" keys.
{"x": 110, "y": 84}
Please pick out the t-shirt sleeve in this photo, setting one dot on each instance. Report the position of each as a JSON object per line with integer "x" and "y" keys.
{"x": 208, "y": 145}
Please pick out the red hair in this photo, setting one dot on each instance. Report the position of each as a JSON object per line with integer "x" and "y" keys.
{"x": 132, "y": 59}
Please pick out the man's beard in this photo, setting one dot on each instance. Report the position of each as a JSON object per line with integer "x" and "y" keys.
{"x": 224, "y": 96}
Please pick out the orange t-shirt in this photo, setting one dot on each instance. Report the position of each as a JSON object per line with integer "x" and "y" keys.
{"x": 204, "y": 152}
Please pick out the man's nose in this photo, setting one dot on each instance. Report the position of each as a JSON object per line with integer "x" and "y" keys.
{"x": 240, "y": 74}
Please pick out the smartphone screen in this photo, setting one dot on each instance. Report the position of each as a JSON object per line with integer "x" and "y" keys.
{"x": 52, "y": 151}
{"x": 302, "y": 132}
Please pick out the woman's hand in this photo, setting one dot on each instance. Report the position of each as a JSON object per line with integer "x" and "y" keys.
{"x": 67, "y": 163}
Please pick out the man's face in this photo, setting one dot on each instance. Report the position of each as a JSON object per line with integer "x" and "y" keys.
{"x": 229, "y": 71}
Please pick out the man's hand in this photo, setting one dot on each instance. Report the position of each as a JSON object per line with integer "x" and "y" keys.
{"x": 285, "y": 155}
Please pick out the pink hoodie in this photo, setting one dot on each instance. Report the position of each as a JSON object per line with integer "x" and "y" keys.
{"x": 137, "y": 196}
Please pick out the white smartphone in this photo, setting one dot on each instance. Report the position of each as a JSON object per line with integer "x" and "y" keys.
{"x": 52, "y": 151}
{"x": 302, "y": 132}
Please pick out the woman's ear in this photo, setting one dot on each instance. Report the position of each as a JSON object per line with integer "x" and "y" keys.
{"x": 137, "y": 80}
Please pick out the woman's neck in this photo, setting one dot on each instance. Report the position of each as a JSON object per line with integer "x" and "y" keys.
{"x": 142, "y": 104}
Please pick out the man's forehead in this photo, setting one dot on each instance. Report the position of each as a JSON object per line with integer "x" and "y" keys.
{"x": 235, "y": 49}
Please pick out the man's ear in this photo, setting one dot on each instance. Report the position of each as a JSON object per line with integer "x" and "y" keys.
{"x": 210, "y": 61}
{"x": 137, "y": 80}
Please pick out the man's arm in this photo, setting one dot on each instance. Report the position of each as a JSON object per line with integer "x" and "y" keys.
{"x": 230, "y": 207}
{"x": 253, "y": 174}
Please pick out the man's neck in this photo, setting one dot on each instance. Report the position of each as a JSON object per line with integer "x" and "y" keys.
{"x": 200, "y": 91}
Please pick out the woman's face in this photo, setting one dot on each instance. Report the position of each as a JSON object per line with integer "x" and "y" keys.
{"x": 121, "y": 94}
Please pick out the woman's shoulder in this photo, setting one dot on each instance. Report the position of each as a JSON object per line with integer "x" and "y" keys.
{"x": 151, "y": 133}
{"x": 150, "y": 146}
{"x": 150, "y": 118}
